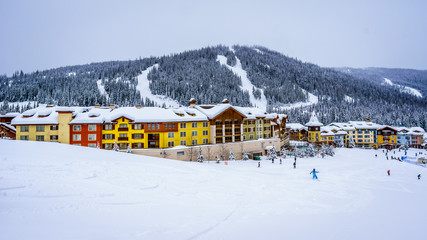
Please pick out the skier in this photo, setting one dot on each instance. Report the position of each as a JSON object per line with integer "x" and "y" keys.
{"x": 387, "y": 157}
{"x": 259, "y": 164}
{"x": 272, "y": 160}
{"x": 388, "y": 172}
{"x": 419, "y": 176}
{"x": 280, "y": 161}
{"x": 375, "y": 155}
{"x": 295, "y": 165}
{"x": 314, "y": 173}
{"x": 295, "y": 158}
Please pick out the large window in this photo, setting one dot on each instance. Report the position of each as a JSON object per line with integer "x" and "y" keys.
{"x": 77, "y": 128}
{"x": 137, "y": 126}
{"x": 138, "y": 136}
{"x": 108, "y": 136}
{"x": 205, "y": 132}
{"x": 193, "y": 133}
{"x": 183, "y": 134}
{"x": 77, "y": 137}
{"x": 92, "y": 137}
{"x": 39, "y": 138}
{"x": 92, "y": 127}
{"x": 123, "y": 126}
{"x": 194, "y": 142}
{"x": 205, "y": 124}
{"x": 108, "y": 127}
{"x": 171, "y": 135}
{"x": 171, "y": 144}
{"x": 183, "y": 143}
{"x": 24, "y": 128}
{"x": 182, "y": 125}
{"x": 24, "y": 137}
{"x": 39, "y": 128}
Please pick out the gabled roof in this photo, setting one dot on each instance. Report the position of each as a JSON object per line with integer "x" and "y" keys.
{"x": 44, "y": 115}
{"x": 216, "y": 110}
{"x": 385, "y": 127}
{"x": 295, "y": 126}
{"x": 10, "y": 127}
{"x": 314, "y": 122}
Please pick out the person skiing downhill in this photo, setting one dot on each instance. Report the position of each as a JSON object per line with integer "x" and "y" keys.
{"x": 259, "y": 164}
{"x": 388, "y": 172}
{"x": 280, "y": 161}
{"x": 295, "y": 165}
{"x": 419, "y": 176}
{"x": 314, "y": 173}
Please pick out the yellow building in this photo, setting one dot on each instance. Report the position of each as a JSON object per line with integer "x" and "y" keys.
{"x": 387, "y": 137}
{"x": 314, "y": 125}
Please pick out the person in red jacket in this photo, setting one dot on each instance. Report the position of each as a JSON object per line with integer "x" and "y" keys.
{"x": 388, "y": 172}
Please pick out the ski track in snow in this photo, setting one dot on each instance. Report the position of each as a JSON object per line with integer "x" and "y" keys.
{"x": 144, "y": 88}
{"x": 404, "y": 89}
{"x": 246, "y": 83}
{"x": 312, "y": 100}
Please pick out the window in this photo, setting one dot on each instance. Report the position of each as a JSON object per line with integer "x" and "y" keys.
{"x": 123, "y": 135}
{"x": 360, "y": 136}
{"x": 183, "y": 134}
{"x": 205, "y": 141}
{"x": 183, "y": 143}
{"x": 39, "y": 128}
{"x": 251, "y": 137}
{"x": 266, "y": 121}
{"x": 194, "y": 142}
{"x": 24, "y": 137}
{"x": 108, "y": 136}
{"x": 205, "y": 124}
{"x": 39, "y": 138}
{"x": 53, "y": 137}
{"x": 92, "y": 145}
{"x": 123, "y": 145}
{"x": 137, "y": 126}
{"x": 205, "y": 132}
{"x": 138, "y": 145}
{"x": 194, "y": 133}
{"x": 149, "y": 126}
{"x": 92, "y": 127}
{"x": 157, "y": 126}
{"x": 182, "y": 125}
{"x": 108, "y": 146}
{"x": 218, "y": 122}
{"x": 54, "y": 127}
{"x": 171, "y": 144}
{"x": 171, "y": 135}
{"x": 138, "y": 136}
{"x": 123, "y": 126}
{"x": 92, "y": 137}
{"x": 108, "y": 127}
{"x": 237, "y": 121}
{"x": 77, "y": 137}
{"x": 181, "y": 153}
{"x": 194, "y": 125}
{"x": 24, "y": 129}
{"x": 77, "y": 128}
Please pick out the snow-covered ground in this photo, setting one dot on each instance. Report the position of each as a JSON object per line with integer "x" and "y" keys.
{"x": 144, "y": 88}
{"x": 57, "y": 191}
{"x": 404, "y": 89}
{"x": 246, "y": 83}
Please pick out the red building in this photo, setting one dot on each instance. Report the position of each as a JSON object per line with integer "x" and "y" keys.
{"x": 88, "y": 135}
{"x": 7, "y": 131}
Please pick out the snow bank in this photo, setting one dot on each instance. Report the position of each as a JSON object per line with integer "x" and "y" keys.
{"x": 56, "y": 191}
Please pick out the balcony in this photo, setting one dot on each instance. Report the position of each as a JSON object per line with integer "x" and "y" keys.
{"x": 123, "y": 129}
{"x": 122, "y": 138}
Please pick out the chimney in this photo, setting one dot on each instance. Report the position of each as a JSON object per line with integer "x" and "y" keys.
{"x": 97, "y": 105}
{"x": 112, "y": 106}
{"x": 225, "y": 101}
{"x": 139, "y": 106}
{"x": 192, "y": 102}
{"x": 368, "y": 120}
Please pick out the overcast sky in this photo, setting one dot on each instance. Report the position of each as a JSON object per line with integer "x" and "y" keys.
{"x": 48, "y": 34}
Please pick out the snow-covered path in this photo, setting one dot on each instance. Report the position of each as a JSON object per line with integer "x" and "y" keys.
{"x": 246, "y": 83}
{"x": 56, "y": 191}
{"x": 404, "y": 89}
{"x": 144, "y": 88}
{"x": 311, "y": 100}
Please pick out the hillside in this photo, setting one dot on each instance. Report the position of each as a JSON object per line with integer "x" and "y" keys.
{"x": 109, "y": 195}
{"x": 247, "y": 76}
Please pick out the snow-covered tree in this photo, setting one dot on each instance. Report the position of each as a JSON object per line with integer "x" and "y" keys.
{"x": 200, "y": 157}
{"x": 217, "y": 159}
{"x": 116, "y": 147}
{"x": 231, "y": 157}
{"x": 351, "y": 143}
{"x": 129, "y": 149}
{"x": 273, "y": 153}
{"x": 245, "y": 155}
{"x": 310, "y": 151}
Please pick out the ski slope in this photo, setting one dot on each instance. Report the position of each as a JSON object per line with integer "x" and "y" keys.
{"x": 404, "y": 89}
{"x": 57, "y": 191}
{"x": 144, "y": 88}
{"x": 311, "y": 100}
{"x": 246, "y": 83}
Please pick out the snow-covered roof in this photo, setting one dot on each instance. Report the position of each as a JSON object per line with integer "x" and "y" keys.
{"x": 314, "y": 122}
{"x": 10, "y": 114}
{"x": 8, "y": 126}
{"x": 364, "y": 125}
{"x": 295, "y": 126}
{"x": 216, "y": 110}
{"x": 417, "y": 129}
{"x": 43, "y": 115}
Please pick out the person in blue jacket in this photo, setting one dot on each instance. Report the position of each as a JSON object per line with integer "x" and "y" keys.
{"x": 314, "y": 173}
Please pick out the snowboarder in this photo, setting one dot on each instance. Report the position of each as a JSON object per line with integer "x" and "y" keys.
{"x": 295, "y": 165}
{"x": 280, "y": 161}
{"x": 314, "y": 173}
{"x": 388, "y": 172}
{"x": 419, "y": 176}
{"x": 259, "y": 164}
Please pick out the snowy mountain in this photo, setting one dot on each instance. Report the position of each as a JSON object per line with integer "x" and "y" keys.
{"x": 58, "y": 191}
{"x": 245, "y": 75}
